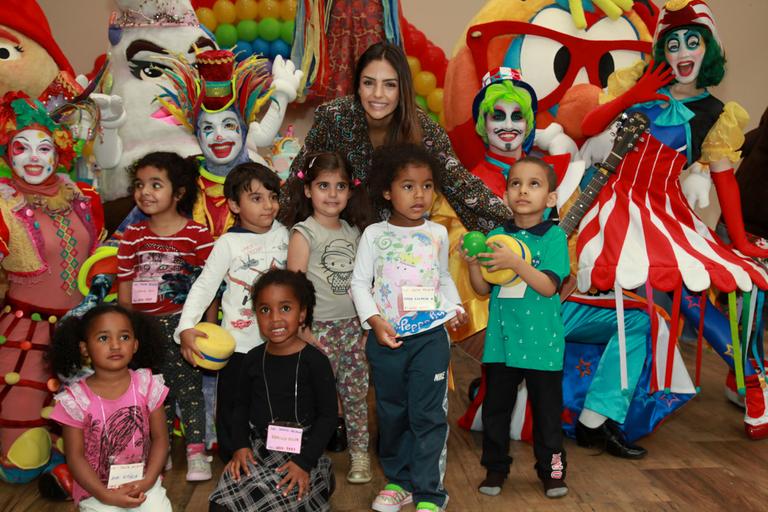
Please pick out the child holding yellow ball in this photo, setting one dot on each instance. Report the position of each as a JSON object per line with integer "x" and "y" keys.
{"x": 525, "y": 339}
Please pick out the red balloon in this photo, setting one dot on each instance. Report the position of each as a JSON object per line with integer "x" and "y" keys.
{"x": 440, "y": 75}
{"x": 433, "y": 58}
{"x": 415, "y": 42}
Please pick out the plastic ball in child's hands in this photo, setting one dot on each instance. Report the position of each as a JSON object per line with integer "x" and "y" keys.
{"x": 474, "y": 243}
{"x": 217, "y": 348}
{"x": 506, "y": 277}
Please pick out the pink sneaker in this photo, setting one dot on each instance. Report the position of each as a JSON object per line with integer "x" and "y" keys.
{"x": 391, "y": 499}
{"x": 198, "y": 468}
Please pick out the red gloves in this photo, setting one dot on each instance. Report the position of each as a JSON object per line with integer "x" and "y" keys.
{"x": 730, "y": 204}
{"x": 644, "y": 90}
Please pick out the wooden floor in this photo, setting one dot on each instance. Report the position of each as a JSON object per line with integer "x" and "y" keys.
{"x": 698, "y": 460}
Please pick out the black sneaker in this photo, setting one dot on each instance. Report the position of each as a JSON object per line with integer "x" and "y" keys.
{"x": 338, "y": 441}
{"x": 554, "y": 488}
{"x": 492, "y": 484}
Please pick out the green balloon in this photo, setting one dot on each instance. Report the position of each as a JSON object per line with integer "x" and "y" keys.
{"x": 286, "y": 31}
{"x": 421, "y": 101}
{"x": 247, "y": 30}
{"x": 434, "y": 117}
{"x": 226, "y": 35}
{"x": 269, "y": 29}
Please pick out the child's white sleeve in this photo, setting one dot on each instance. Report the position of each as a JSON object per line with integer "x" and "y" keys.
{"x": 447, "y": 286}
{"x": 362, "y": 281}
{"x": 205, "y": 286}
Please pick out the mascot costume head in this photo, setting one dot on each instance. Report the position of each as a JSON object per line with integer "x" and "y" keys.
{"x": 30, "y": 59}
{"x": 565, "y": 49}
{"x": 142, "y": 35}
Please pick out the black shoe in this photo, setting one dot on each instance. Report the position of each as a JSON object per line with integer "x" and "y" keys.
{"x": 492, "y": 484}
{"x": 338, "y": 441}
{"x": 609, "y": 438}
{"x": 554, "y": 488}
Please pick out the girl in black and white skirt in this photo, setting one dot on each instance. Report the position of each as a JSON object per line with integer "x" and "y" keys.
{"x": 286, "y": 409}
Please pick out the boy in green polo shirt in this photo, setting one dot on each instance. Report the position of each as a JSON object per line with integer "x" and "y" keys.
{"x": 524, "y": 339}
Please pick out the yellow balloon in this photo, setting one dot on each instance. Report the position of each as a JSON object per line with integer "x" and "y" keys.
{"x": 269, "y": 9}
{"x": 207, "y": 17}
{"x": 225, "y": 11}
{"x": 415, "y": 64}
{"x": 288, "y": 10}
{"x": 506, "y": 277}
{"x": 246, "y": 9}
{"x": 424, "y": 83}
{"x": 441, "y": 118}
{"x": 435, "y": 100}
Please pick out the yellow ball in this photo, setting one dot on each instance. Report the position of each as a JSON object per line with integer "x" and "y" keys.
{"x": 246, "y": 9}
{"x": 45, "y": 412}
{"x": 435, "y": 100}
{"x": 269, "y": 9}
{"x": 288, "y": 10}
{"x": 216, "y": 348}
{"x": 506, "y": 277}
{"x": 207, "y": 17}
{"x": 424, "y": 83}
{"x": 12, "y": 378}
{"x": 225, "y": 11}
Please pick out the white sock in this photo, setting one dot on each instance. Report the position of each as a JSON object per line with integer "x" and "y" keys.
{"x": 591, "y": 419}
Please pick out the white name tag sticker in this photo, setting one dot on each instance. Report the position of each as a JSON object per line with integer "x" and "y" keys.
{"x": 419, "y": 298}
{"x": 120, "y": 474}
{"x": 284, "y": 439}
{"x": 144, "y": 292}
{"x": 516, "y": 291}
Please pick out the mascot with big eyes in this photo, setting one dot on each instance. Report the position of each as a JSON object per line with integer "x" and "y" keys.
{"x": 619, "y": 393}
{"x": 48, "y": 227}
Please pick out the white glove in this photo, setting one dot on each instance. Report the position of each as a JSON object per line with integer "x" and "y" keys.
{"x": 696, "y": 186}
{"x": 596, "y": 149}
{"x": 285, "y": 78}
{"x": 554, "y": 141}
{"x": 112, "y": 111}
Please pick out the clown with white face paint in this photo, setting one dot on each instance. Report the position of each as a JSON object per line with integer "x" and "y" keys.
{"x": 220, "y": 136}
{"x": 48, "y": 227}
{"x": 684, "y": 50}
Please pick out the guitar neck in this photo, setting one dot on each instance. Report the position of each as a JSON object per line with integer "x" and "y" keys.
{"x": 585, "y": 201}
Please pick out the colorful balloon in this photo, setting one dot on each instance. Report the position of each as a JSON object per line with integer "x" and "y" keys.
{"x": 247, "y": 30}
{"x": 424, "y": 83}
{"x": 288, "y": 10}
{"x": 261, "y": 47}
{"x": 433, "y": 58}
{"x": 242, "y": 50}
{"x": 421, "y": 101}
{"x": 279, "y": 47}
{"x": 415, "y": 64}
{"x": 226, "y": 35}
{"x": 286, "y": 31}
{"x": 269, "y": 29}
{"x": 225, "y": 12}
{"x": 207, "y": 17}
{"x": 415, "y": 42}
{"x": 435, "y": 100}
{"x": 269, "y": 9}
{"x": 246, "y": 9}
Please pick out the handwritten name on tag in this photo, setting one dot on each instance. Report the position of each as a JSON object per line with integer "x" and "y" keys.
{"x": 284, "y": 439}
{"x": 419, "y": 298}
{"x": 120, "y": 474}
{"x": 144, "y": 292}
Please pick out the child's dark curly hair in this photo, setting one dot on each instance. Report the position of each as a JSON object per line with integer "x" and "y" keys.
{"x": 181, "y": 172}
{"x": 389, "y": 161}
{"x": 64, "y": 354}
{"x": 356, "y": 213}
{"x": 302, "y": 288}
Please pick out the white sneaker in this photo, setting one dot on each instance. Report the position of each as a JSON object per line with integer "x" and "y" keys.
{"x": 198, "y": 468}
{"x": 359, "y": 468}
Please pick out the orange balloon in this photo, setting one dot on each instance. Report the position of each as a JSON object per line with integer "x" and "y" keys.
{"x": 435, "y": 100}
{"x": 269, "y": 9}
{"x": 415, "y": 64}
{"x": 207, "y": 17}
{"x": 288, "y": 10}
{"x": 246, "y": 9}
{"x": 225, "y": 11}
{"x": 424, "y": 82}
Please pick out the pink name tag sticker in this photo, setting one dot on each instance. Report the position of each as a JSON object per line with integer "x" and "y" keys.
{"x": 419, "y": 298}
{"x": 284, "y": 439}
{"x": 120, "y": 474}
{"x": 144, "y": 292}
